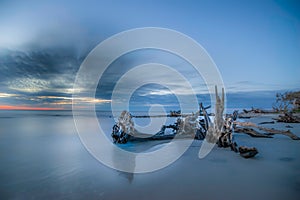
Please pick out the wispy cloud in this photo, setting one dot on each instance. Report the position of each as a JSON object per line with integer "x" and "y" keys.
{"x": 7, "y": 95}
{"x": 40, "y": 79}
{"x": 30, "y": 85}
{"x": 254, "y": 86}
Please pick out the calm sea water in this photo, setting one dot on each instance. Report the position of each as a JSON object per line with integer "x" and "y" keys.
{"x": 42, "y": 157}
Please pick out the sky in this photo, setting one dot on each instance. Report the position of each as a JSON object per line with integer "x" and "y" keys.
{"x": 254, "y": 44}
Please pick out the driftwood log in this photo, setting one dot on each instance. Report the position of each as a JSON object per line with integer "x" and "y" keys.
{"x": 271, "y": 122}
{"x": 268, "y": 130}
{"x": 251, "y": 132}
{"x": 288, "y": 117}
{"x": 257, "y": 110}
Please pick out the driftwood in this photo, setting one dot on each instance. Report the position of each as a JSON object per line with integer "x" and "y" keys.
{"x": 247, "y": 114}
{"x": 271, "y": 122}
{"x": 186, "y": 126}
{"x": 206, "y": 120}
{"x": 269, "y": 130}
{"x": 257, "y": 110}
{"x": 251, "y": 132}
{"x": 247, "y": 152}
{"x": 124, "y": 131}
{"x": 219, "y": 131}
{"x": 244, "y": 117}
{"x": 226, "y": 139}
{"x": 175, "y": 113}
{"x": 214, "y": 130}
{"x": 288, "y": 117}
{"x": 222, "y": 130}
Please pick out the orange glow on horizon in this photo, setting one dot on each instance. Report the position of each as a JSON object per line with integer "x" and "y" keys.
{"x": 7, "y": 107}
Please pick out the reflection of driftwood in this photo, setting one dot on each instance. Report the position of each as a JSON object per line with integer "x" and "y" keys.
{"x": 288, "y": 117}
{"x": 269, "y": 130}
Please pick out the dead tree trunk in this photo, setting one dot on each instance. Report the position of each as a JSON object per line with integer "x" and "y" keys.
{"x": 214, "y": 130}
{"x": 221, "y": 131}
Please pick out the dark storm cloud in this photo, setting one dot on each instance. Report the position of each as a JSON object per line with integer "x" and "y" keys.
{"x": 38, "y": 77}
{"x": 38, "y": 70}
{"x": 37, "y": 63}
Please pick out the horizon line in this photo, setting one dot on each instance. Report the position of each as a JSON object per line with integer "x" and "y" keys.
{"x": 8, "y": 107}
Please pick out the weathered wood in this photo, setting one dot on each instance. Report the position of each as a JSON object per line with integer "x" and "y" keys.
{"x": 288, "y": 117}
{"x": 269, "y": 130}
{"x": 219, "y": 121}
{"x": 271, "y": 122}
{"x": 257, "y": 110}
{"x": 214, "y": 130}
{"x": 189, "y": 125}
{"x": 251, "y": 132}
{"x": 203, "y": 111}
{"x": 220, "y": 131}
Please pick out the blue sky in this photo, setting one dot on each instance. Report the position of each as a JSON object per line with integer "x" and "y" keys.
{"x": 255, "y": 44}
